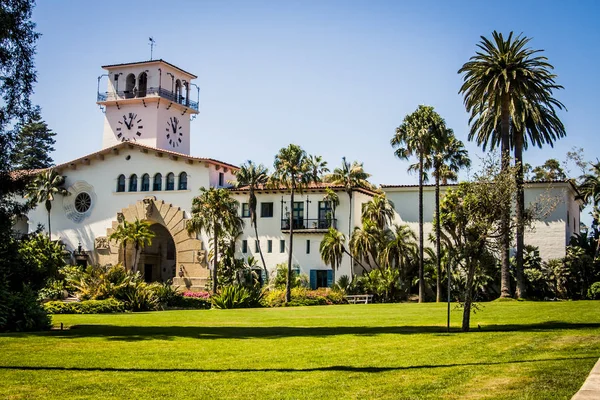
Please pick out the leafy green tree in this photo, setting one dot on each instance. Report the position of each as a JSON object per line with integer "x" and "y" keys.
{"x": 414, "y": 137}
{"x": 253, "y": 177}
{"x": 294, "y": 172}
{"x": 508, "y": 91}
{"x": 44, "y": 188}
{"x": 449, "y": 156}
{"x": 549, "y": 171}
{"x": 216, "y": 213}
{"x": 33, "y": 144}
{"x": 471, "y": 221}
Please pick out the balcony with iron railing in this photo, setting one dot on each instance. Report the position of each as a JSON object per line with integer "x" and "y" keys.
{"x": 308, "y": 224}
{"x": 149, "y": 92}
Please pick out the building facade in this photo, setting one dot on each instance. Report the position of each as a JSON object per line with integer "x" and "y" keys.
{"x": 144, "y": 171}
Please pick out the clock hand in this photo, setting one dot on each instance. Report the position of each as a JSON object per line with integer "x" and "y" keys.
{"x": 126, "y": 124}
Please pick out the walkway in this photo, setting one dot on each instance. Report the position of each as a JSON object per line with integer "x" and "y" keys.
{"x": 591, "y": 387}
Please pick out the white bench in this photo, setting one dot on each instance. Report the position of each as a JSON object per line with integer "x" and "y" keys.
{"x": 359, "y": 298}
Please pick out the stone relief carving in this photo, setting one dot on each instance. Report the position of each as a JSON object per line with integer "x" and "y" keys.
{"x": 101, "y": 243}
{"x": 120, "y": 217}
{"x": 148, "y": 206}
{"x": 201, "y": 256}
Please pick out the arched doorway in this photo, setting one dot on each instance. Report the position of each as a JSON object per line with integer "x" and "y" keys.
{"x": 158, "y": 260}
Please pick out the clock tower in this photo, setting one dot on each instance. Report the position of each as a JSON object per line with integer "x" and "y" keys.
{"x": 150, "y": 103}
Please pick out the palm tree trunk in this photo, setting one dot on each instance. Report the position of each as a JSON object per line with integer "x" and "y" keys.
{"x": 421, "y": 250}
{"x": 125, "y": 254}
{"x": 288, "y": 279}
{"x": 49, "y": 208}
{"x": 215, "y": 260}
{"x": 520, "y": 292}
{"x": 262, "y": 258}
{"x": 505, "y": 223}
{"x": 135, "y": 257}
{"x": 438, "y": 241}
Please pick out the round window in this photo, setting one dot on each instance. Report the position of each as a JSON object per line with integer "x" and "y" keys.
{"x": 83, "y": 202}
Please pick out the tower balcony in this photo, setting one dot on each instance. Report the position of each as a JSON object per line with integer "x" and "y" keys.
{"x": 309, "y": 225}
{"x": 149, "y": 92}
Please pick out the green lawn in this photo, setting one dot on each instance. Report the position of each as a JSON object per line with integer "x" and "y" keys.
{"x": 524, "y": 350}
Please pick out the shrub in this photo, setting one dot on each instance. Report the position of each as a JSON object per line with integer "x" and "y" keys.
{"x": 21, "y": 311}
{"x": 594, "y": 291}
{"x": 139, "y": 296}
{"x": 166, "y": 293}
{"x": 199, "y": 295}
{"x": 237, "y": 296}
{"x": 196, "y": 303}
{"x": 303, "y": 297}
{"x": 85, "y": 307}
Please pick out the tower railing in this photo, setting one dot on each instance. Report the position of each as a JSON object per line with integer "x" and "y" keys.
{"x": 149, "y": 92}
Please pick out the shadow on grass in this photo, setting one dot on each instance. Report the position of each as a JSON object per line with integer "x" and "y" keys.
{"x": 137, "y": 333}
{"x": 335, "y": 368}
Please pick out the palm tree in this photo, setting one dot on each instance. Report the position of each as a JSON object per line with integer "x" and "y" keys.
{"x": 590, "y": 194}
{"x": 350, "y": 176}
{"x": 507, "y": 85}
{"x": 332, "y": 249}
{"x": 292, "y": 171}
{"x": 400, "y": 249}
{"x": 379, "y": 210}
{"x": 317, "y": 165}
{"x": 216, "y": 213}
{"x": 140, "y": 234}
{"x": 449, "y": 156}
{"x": 333, "y": 199}
{"x": 120, "y": 235}
{"x": 366, "y": 243}
{"x": 44, "y": 188}
{"x": 253, "y": 176}
{"x": 414, "y": 137}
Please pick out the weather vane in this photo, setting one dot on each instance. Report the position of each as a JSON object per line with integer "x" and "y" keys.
{"x": 152, "y": 44}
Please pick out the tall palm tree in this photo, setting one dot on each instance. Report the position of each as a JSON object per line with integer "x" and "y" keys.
{"x": 292, "y": 171}
{"x": 379, "y": 210}
{"x": 140, "y": 234}
{"x": 44, "y": 188}
{"x": 505, "y": 85}
{"x": 400, "y": 250}
{"x": 366, "y": 243}
{"x": 253, "y": 176}
{"x": 449, "y": 156}
{"x": 414, "y": 137}
{"x": 216, "y": 213}
{"x": 350, "y": 176}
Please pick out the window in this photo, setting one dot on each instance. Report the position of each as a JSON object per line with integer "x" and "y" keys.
{"x": 145, "y": 183}
{"x": 142, "y": 84}
{"x": 133, "y": 183}
{"x": 245, "y": 210}
{"x": 320, "y": 278}
{"x": 266, "y": 210}
{"x": 298, "y": 215}
{"x": 269, "y": 246}
{"x": 308, "y": 247}
{"x": 83, "y": 202}
{"x": 282, "y": 246}
{"x": 121, "y": 183}
{"x": 157, "y": 182}
{"x": 221, "y": 179}
{"x": 256, "y": 246}
{"x": 129, "y": 86}
{"x": 325, "y": 214}
{"x": 182, "y": 181}
{"x": 244, "y": 246}
{"x": 170, "y": 181}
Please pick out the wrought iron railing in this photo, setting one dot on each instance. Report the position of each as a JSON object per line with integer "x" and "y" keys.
{"x": 152, "y": 91}
{"x": 309, "y": 224}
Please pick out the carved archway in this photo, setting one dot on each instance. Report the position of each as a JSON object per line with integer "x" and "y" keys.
{"x": 190, "y": 253}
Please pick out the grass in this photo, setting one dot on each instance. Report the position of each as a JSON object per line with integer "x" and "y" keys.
{"x": 524, "y": 350}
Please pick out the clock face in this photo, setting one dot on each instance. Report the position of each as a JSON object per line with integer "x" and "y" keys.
{"x": 174, "y": 132}
{"x": 129, "y": 127}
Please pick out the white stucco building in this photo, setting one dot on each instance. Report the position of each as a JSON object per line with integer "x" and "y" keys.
{"x": 144, "y": 170}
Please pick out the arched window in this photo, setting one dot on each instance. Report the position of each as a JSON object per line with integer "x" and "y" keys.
{"x": 142, "y": 84}
{"x": 129, "y": 86}
{"x": 145, "y": 183}
{"x": 121, "y": 183}
{"x": 178, "y": 97}
{"x": 187, "y": 93}
{"x": 170, "y": 181}
{"x": 133, "y": 183}
{"x": 157, "y": 183}
{"x": 182, "y": 181}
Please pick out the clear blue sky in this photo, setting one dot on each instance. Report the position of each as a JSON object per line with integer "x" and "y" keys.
{"x": 334, "y": 77}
